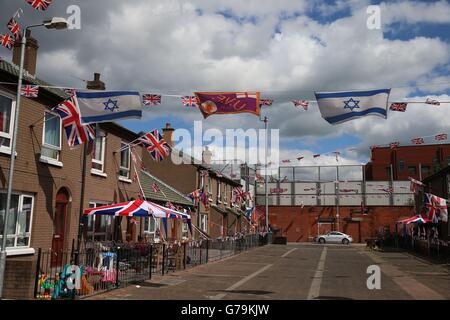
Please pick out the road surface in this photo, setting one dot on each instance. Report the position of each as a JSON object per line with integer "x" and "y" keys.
{"x": 298, "y": 271}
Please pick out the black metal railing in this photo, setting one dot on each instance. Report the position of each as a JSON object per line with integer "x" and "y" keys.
{"x": 100, "y": 267}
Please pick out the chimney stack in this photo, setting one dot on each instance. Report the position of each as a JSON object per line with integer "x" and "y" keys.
{"x": 96, "y": 84}
{"x": 31, "y": 49}
{"x": 168, "y": 134}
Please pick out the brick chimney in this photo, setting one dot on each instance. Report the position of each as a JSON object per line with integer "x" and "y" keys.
{"x": 31, "y": 49}
{"x": 168, "y": 134}
{"x": 96, "y": 84}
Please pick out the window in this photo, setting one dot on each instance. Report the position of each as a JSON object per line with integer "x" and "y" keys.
{"x": 426, "y": 170}
{"x": 401, "y": 165}
{"x": 209, "y": 185}
{"x": 19, "y": 220}
{"x": 204, "y": 223}
{"x": 124, "y": 170}
{"x": 412, "y": 170}
{"x": 225, "y": 194}
{"x": 99, "y": 227}
{"x": 151, "y": 225}
{"x": 98, "y": 154}
{"x": 219, "y": 194}
{"x": 51, "y": 141}
{"x": 7, "y": 109}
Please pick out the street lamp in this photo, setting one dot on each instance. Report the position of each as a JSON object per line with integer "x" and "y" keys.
{"x": 57, "y": 24}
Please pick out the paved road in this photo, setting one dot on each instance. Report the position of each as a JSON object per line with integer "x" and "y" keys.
{"x": 298, "y": 271}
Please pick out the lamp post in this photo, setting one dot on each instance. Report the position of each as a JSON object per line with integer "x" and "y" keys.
{"x": 58, "y": 24}
{"x": 266, "y": 121}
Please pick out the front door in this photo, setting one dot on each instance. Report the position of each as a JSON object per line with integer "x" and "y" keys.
{"x": 59, "y": 229}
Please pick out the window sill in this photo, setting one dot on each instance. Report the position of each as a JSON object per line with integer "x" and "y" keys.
{"x": 19, "y": 251}
{"x": 126, "y": 180}
{"x": 98, "y": 173}
{"x": 6, "y": 151}
{"x": 51, "y": 161}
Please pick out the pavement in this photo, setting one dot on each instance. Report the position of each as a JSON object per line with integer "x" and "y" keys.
{"x": 298, "y": 271}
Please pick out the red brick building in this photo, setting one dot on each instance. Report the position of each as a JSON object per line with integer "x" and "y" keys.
{"x": 417, "y": 162}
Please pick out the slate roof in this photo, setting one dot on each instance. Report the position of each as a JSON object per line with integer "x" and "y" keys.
{"x": 13, "y": 70}
{"x": 167, "y": 192}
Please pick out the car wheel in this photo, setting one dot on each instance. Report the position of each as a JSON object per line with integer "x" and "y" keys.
{"x": 345, "y": 241}
{"x": 322, "y": 240}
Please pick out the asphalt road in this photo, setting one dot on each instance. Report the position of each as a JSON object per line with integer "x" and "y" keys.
{"x": 298, "y": 271}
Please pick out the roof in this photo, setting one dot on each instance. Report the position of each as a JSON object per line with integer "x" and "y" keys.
{"x": 167, "y": 193}
{"x": 13, "y": 70}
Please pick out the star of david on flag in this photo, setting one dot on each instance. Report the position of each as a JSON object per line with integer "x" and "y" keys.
{"x": 338, "y": 107}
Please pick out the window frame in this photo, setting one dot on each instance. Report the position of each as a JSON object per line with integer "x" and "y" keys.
{"x": 44, "y": 145}
{"x": 101, "y": 162}
{"x": 204, "y": 223}
{"x": 92, "y": 234}
{"x": 122, "y": 177}
{"x": 157, "y": 226}
{"x": 9, "y": 135}
{"x": 16, "y": 235}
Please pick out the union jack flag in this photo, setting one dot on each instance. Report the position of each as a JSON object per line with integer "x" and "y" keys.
{"x": 204, "y": 198}
{"x": 189, "y": 101}
{"x": 14, "y": 28}
{"x": 219, "y": 174}
{"x": 435, "y": 208}
{"x": 394, "y": 145}
{"x": 29, "y": 91}
{"x": 151, "y": 99}
{"x": 40, "y": 5}
{"x": 417, "y": 141}
{"x": 155, "y": 188}
{"x": 301, "y": 103}
{"x": 76, "y": 132}
{"x": 156, "y": 145}
{"x": 398, "y": 107}
{"x": 6, "y": 41}
{"x": 204, "y": 173}
{"x": 265, "y": 102}
{"x": 240, "y": 195}
{"x": 195, "y": 195}
{"x": 433, "y": 102}
{"x": 440, "y": 137}
{"x": 70, "y": 91}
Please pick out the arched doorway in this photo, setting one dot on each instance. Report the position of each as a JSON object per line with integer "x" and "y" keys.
{"x": 59, "y": 226}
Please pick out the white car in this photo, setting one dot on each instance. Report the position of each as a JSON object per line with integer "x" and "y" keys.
{"x": 334, "y": 237}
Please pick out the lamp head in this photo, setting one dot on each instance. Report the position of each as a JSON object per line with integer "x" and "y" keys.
{"x": 57, "y": 23}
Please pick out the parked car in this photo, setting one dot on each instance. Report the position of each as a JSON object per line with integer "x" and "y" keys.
{"x": 334, "y": 237}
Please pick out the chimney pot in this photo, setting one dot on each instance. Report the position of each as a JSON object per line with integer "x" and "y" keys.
{"x": 168, "y": 134}
{"x": 96, "y": 84}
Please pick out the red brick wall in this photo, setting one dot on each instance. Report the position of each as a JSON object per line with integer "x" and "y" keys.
{"x": 411, "y": 155}
{"x": 300, "y": 224}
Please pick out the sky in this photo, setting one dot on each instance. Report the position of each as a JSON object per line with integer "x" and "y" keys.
{"x": 286, "y": 49}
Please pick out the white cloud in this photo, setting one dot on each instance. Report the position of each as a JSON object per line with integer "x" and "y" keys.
{"x": 168, "y": 47}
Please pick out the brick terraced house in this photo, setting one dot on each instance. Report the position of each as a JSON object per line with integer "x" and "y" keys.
{"x": 222, "y": 217}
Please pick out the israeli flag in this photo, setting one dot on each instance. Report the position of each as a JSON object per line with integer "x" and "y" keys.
{"x": 338, "y": 107}
{"x": 105, "y": 106}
